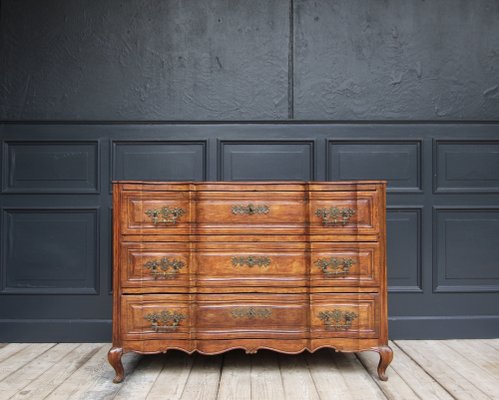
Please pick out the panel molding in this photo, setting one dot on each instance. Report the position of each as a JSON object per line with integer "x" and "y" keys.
{"x": 437, "y": 189}
{"x": 6, "y": 167}
{"x": 458, "y": 288}
{"x": 404, "y": 300}
{"x": 152, "y": 142}
{"x": 418, "y": 288}
{"x": 221, "y": 143}
{"x": 358, "y": 141}
{"x": 5, "y": 289}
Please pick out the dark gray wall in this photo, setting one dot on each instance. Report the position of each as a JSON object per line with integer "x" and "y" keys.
{"x": 292, "y": 61}
{"x": 55, "y": 211}
{"x": 249, "y": 60}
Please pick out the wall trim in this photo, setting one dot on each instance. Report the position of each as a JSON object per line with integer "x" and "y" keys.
{"x": 444, "y": 327}
{"x": 55, "y": 330}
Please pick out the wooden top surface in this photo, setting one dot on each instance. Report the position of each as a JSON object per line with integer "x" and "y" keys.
{"x": 299, "y": 186}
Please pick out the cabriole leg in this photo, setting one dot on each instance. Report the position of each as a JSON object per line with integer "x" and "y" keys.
{"x": 385, "y": 358}
{"x": 114, "y": 357}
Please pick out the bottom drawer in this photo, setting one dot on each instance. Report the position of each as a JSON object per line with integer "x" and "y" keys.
{"x": 233, "y": 316}
{"x": 165, "y": 316}
{"x": 344, "y": 315}
{"x": 250, "y": 316}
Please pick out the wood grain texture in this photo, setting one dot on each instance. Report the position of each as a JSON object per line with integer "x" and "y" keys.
{"x": 448, "y": 368}
{"x": 283, "y": 266}
{"x": 82, "y": 373}
{"x": 171, "y": 381}
{"x": 59, "y": 372}
{"x": 23, "y": 356}
{"x": 296, "y": 378}
{"x": 22, "y": 377}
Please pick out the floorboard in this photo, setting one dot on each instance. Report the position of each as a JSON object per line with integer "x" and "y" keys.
{"x": 425, "y": 369}
{"x": 171, "y": 381}
{"x": 53, "y": 377}
{"x": 22, "y": 377}
{"x": 204, "y": 380}
{"x": 328, "y": 379}
{"x": 446, "y": 367}
{"x": 266, "y": 379}
{"x": 19, "y": 359}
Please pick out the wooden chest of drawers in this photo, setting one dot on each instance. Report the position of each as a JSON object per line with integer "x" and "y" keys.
{"x": 214, "y": 266}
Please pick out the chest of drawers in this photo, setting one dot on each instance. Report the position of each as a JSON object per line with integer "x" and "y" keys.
{"x": 215, "y": 266}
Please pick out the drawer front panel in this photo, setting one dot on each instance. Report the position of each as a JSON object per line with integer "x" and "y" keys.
{"x": 345, "y": 264}
{"x": 155, "y": 264}
{"x": 251, "y": 213}
{"x": 165, "y": 316}
{"x": 251, "y": 316}
{"x": 164, "y": 213}
{"x": 278, "y": 265}
{"x": 344, "y": 213}
{"x": 344, "y": 315}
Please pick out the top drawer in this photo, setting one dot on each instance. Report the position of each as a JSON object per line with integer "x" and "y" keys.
{"x": 234, "y": 212}
{"x": 154, "y": 212}
{"x": 344, "y": 214}
{"x": 328, "y": 212}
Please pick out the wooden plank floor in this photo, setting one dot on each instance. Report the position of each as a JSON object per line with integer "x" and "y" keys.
{"x": 424, "y": 369}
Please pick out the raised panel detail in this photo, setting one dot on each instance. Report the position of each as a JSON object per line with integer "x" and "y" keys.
{"x": 50, "y": 167}
{"x": 167, "y": 161}
{"x": 403, "y": 229}
{"x": 259, "y": 160}
{"x": 467, "y": 166}
{"x": 50, "y": 251}
{"x": 467, "y": 250}
{"x": 397, "y": 162}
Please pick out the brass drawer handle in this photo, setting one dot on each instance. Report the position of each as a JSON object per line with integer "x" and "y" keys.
{"x": 334, "y": 266}
{"x": 251, "y": 312}
{"x": 165, "y": 320}
{"x": 337, "y": 320}
{"x": 251, "y": 261}
{"x": 165, "y": 215}
{"x": 250, "y": 209}
{"x": 164, "y": 267}
{"x": 335, "y": 216}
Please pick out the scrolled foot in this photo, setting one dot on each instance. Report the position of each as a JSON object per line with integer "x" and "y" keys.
{"x": 114, "y": 357}
{"x": 385, "y": 358}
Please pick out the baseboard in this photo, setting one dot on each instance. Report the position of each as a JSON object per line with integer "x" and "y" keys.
{"x": 55, "y": 330}
{"x": 444, "y": 327}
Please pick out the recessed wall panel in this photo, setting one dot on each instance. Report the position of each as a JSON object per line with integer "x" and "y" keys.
{"x": 261, "y": 160}
{"x": 467, "y": 166}
{"x": 50, "y": 251}
{"x": 397, "y": 162}
{"x": 404, "y": 249}
{"x": 466, "y": 250}
{"x": 50, "y": 167}
{"x": 168, "y": 161}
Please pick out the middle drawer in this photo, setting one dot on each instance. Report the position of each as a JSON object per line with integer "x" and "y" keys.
{"x": 168, "y": 265}
{"x": 214, "y": 316}
{"x": 255, "y": 315}
{"x": 284, "y": 265}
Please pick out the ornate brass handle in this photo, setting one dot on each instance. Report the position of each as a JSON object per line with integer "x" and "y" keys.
{"x": 335, "y": 216}
{"x": 250, "y": 209}
{"x": 251, "y": 312}
{"x": 251, "y": 261}
{"x": 165, "y": 214}
{"x": 334, "y": 266}
{"x": 337, "y": 320}
{"x": 165, "y": 320}
{"x": 164, "y": 267}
